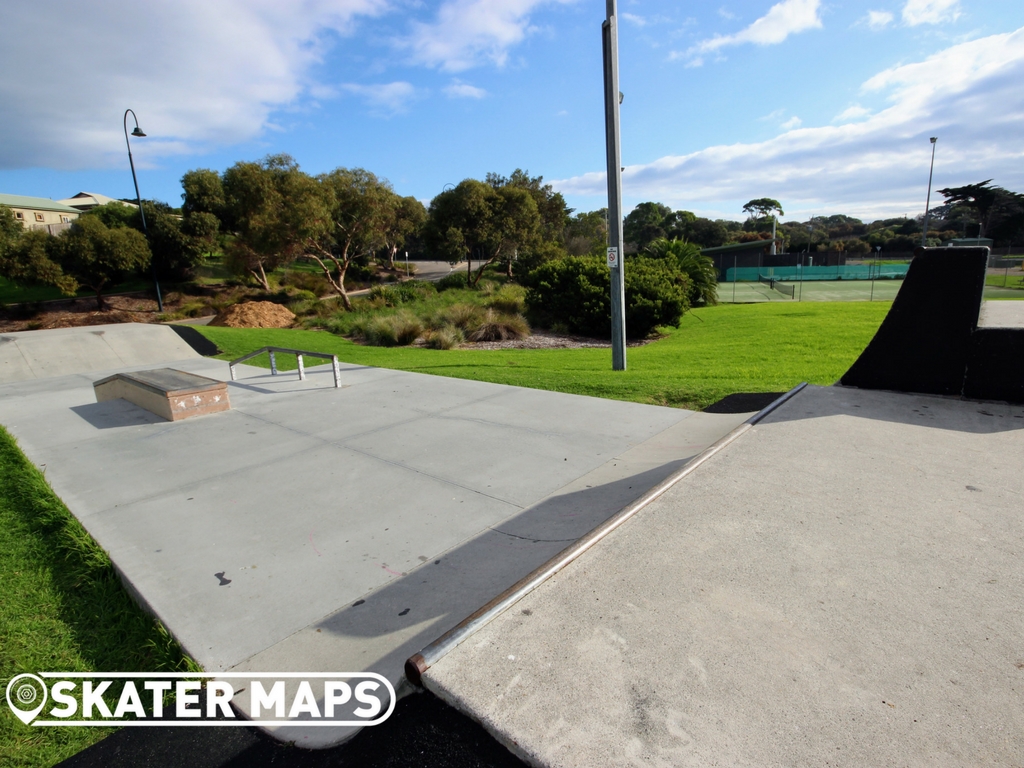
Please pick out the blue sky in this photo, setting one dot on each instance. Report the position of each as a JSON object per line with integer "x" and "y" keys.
{"x": 825, "y": 106}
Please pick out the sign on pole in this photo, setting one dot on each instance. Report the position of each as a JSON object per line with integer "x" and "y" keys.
{"x": 613, "y": 258}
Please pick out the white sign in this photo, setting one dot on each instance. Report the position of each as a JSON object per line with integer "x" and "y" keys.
{"x": 613, "y": 258}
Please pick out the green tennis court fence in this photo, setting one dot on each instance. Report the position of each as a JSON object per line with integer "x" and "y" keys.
{"x": 796, "y": 274}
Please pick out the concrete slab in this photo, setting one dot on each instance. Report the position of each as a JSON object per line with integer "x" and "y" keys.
{"x": 62, "y": 351}
{"x": 839, "y": 586}
{"x": 322, "y": 529}
{"x": 1001, "y": 314}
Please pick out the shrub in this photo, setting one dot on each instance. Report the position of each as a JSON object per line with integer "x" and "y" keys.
{"x": 509, "y": 299}
{"x": 447, "y": 337}
{"x": 306, "y": 281}
{"x": 452, "y": 280}
{"x": 700, "y": 269}
{"x": 465, "y": 317}
{"x": 501, "y": 327}
{"x": 385, "y": 296}
{"x": 398, "y": 330}
{"x": 576, "y": 291}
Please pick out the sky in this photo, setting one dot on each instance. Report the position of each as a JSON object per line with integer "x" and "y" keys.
{"x": 825, "y": 106}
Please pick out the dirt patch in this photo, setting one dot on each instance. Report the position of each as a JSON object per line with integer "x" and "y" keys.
{"x": 73, "y": 313}
{"x": 255, "y": 314}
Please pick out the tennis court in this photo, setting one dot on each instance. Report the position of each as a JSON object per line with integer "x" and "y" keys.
{"x": 828, "y": 290}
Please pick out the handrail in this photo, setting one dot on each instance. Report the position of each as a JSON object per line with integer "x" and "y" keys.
{"x": 299, "y": 354}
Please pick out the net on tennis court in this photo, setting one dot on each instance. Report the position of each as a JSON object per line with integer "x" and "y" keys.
{"x": 776, "y": 285}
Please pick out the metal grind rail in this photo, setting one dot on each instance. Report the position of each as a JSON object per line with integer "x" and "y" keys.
{"x": 299, "y": 354}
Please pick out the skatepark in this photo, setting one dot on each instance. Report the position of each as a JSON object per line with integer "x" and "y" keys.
{"x": 835, "y": 579}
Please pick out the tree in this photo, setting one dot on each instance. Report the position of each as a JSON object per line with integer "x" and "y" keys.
{"x": 478, "y": 220}
{"x": 644, "y": 224}
{"x": 405, "y": 217}
{"x": 700, "y": 269}
{"x": 97, "y": 256}
{"x": 204, "y": 193}
{"x": 763, "y": 207}
{"x": 24, "y": 259}
{"x": 586, "y": 233}
{"x": 273, "y": 209}
{"x": 706, "y": 233}
{"x": 554, "y": 213}
{"x": 987, "y": 202}
{"x": 358, "y": 209}
{"x": 10, "y": 230}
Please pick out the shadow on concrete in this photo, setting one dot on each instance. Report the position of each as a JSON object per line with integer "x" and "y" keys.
{"x": 949, "y": 413}
{"x": 112, "y": 414}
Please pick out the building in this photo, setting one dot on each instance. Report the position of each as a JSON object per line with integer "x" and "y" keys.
{"x": 40, "y": 212}
{"x": 85, "y": 201}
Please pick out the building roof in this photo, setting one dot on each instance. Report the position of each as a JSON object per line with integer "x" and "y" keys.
{"x": 35, "y": 203}
{"x": 85, "y": 200}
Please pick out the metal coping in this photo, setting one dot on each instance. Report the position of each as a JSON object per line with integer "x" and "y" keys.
{"x": 420, "y": 662}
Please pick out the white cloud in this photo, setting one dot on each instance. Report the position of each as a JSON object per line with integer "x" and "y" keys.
{"x": 793, "y": 122}
{"x": 640, "y": 21}
{"x": 384, "y": 99}
{"x": 855, "y": 112}
{"x": 725, "y": 13}
{"x": 968, "y": 95}
{"x": 461, "y": 90}
{"x": 196, "y": 73}
{"x": 878, "y": 19}
{"x": 782, "y": 20}
{"x": 467, "y": 33}
{"x": 917, "y": 12}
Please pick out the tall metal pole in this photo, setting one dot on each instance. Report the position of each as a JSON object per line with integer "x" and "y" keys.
{"x": 928, "y": 200}
{"x": 138, "y": 199}
{"x": 612, "y": 97}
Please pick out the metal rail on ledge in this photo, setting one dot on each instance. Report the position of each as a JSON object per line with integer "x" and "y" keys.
{"x": 299, "y": 354}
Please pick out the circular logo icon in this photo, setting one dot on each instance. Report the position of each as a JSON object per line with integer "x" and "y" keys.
{"x": 26, "y": 696}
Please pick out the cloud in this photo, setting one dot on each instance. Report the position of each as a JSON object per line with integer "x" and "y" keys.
{"x": 384, "y": 99}
{"x": 725, "y": 13}
{"x": 878, "y": 19}
{"x": 461, "y": 90}
{"x": 968, "y": 95}
{"x": 854, "y": 112}
{"x": 782, "y": 20}
{"x": 640, "y": 21}
{"x": 468, "y": 33}
{"x": 793, "y": 122}
{"x": 917, "y": 12}
{"x": 196, "y": 73}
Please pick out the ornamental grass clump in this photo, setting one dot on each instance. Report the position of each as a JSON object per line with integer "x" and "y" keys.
{"x": 500, "y": 327}
{"x": 446, "y": 337}
{"x": 399, "y": 330}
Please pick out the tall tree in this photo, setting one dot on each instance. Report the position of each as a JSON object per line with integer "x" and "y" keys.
{"x": 644, "y": 224}
{"x": 273, "y": 209}
{"x": 405, "y": 217}
{"x": 989, "y": 203}
{"x": 554, "y": 213}
{"x": 98, "y": 256}
{"x": 358, "y": 207}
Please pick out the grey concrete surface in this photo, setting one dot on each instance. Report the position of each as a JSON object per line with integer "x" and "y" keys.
{"x": 43, "y": 354}
{"x": 1001, "y": 314}
{"x": 320, "y": 529}
{"x": 841, "y": 586}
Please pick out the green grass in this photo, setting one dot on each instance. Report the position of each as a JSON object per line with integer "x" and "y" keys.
{"x": 715, "y": 352}
{"x": 62, "y": 609}
{"x": 1013, "y": 280}
{"x": 16, "y": 294}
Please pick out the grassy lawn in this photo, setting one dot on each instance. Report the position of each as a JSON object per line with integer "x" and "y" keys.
{"x": 716, "y": 351}
{"x": 1012, "y": 279}
{"x": 62, "y": 608}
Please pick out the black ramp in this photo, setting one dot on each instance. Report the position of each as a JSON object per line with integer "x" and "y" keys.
{"x": 924, "y": 343}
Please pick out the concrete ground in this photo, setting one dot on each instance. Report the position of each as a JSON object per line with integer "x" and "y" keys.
{"x": 320, "y": 529}
{"x": 842, "y": 585}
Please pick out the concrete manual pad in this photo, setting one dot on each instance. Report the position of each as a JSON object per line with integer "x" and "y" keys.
{"x": 1001, "y": 314}
{"x": 339, "y": 530}
{"x": 842, "y": 585}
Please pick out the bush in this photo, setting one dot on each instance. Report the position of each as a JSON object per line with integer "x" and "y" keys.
{"x": 452, "y": 280}
{"x": 509, "y": 299}
{"x": 447, "y": 337}
{"x": 398, "y": 330}
{"x": 500, "y": 327}
{"x": 576, "y": 291}
{"x": 465, "y": 317}
{"x": 306, "y": 281}
{"x": 385, "y": 296}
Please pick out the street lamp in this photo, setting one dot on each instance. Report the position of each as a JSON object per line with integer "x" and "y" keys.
{"x": 616, "y": 251}
{"x": 138, "y": 198}
{"x": 928, "y": 200}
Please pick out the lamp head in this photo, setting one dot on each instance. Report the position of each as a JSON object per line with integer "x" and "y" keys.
{"x": 138, "y": 132}
{"x": 933, "y": 139}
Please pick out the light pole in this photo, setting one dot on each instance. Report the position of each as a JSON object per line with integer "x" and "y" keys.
{"x": 138, "y": 198}
{"x": 612, "y": 99}
{"x": 928, "y": 200}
